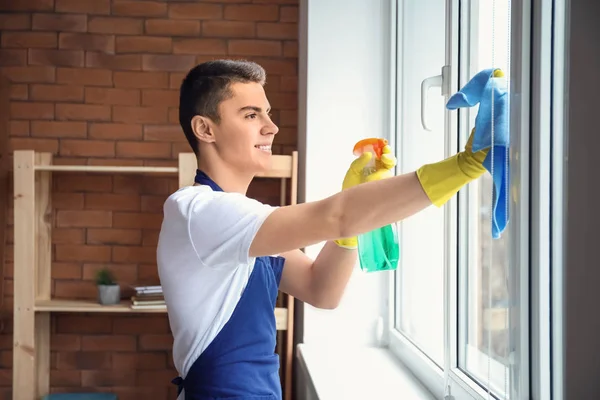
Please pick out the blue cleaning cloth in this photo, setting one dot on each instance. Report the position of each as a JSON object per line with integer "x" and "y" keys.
{"x": 490, "y": 92}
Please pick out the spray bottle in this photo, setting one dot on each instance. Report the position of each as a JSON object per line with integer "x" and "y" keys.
{"x": 378, "y": 250}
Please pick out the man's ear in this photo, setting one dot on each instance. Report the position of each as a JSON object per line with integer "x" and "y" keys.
{"x": 202, "y": 128}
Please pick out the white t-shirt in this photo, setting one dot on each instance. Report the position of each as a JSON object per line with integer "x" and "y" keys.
{"x": 203, "y": 263}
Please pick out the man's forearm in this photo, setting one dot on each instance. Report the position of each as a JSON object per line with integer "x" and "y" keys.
{"x": 331, "y": 272}
{"x": 371, "y": 205}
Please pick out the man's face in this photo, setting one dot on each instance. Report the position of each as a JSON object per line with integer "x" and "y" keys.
{"x": 245, "y": 133}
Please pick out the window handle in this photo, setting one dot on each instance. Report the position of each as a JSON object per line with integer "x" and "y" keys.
{"x": 440, "y": 81}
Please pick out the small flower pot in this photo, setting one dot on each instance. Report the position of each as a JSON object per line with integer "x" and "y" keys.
{"x": 109, "y": 294}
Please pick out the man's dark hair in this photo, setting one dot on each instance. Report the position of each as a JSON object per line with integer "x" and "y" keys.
{"x": 207, "y": 85}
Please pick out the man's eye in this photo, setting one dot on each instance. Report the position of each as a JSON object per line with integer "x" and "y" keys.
{"x": 251, "y": 116}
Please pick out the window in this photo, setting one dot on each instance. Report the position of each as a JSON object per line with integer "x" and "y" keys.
{"x": 419, "y": 312}
{"x": 483, "y": 293}
{"x": 460, "y": 299}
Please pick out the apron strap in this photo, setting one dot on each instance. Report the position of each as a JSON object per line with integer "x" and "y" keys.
{"x": 203, "y": 179}
{"x": 179, "y": 383}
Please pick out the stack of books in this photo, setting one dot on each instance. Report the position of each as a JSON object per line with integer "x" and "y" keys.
{"x": 148, "y": 297}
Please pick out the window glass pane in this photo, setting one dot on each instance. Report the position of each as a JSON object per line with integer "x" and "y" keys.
{"x": 483, "y": 352}
{"x": 419, "y": 279}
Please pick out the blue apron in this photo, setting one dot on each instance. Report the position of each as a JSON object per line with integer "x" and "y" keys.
{"x": 241, "y": 363}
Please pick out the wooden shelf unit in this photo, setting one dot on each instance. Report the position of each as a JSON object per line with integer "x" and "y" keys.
{"x": 33, "y": 304}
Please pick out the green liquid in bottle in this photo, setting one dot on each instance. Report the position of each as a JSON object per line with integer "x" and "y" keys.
{"x": 378, "y": 250}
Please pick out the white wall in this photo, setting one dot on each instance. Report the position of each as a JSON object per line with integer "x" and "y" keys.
{"x": 344, "y": 94}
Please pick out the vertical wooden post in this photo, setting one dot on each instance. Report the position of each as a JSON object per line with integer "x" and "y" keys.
{"x": 4, "y": 182}
{"x": 283, "y": 192}
{"x": 289, "y": 351}
{"x": 187, "y": 169}
{"x": 43, "y": 249}
{"x": 24, "y": 350}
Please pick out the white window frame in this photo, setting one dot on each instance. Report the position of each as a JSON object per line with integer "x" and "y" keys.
{"x": 532, "y": 30}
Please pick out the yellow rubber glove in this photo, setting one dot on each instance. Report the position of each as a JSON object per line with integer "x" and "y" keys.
{"x": 444, "y": 179}
{"x": 355, "y": 176}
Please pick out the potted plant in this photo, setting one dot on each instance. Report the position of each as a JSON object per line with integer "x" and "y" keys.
{"x": 109, "y": 291}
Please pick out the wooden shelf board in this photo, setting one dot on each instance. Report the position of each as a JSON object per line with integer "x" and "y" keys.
{"x": 84, "y": 306}
{"x": 139, "y": 170}
{"x": 59, "y": 305}
{"x": 107, "y": 168}
{"x": 281, "y": 168}
{"x": 275, "y": 174}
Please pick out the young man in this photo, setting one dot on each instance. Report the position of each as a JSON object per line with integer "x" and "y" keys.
{"x": 222, "y": 257}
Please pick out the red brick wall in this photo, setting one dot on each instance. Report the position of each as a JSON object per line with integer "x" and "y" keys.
{"x": 96, "y": 82}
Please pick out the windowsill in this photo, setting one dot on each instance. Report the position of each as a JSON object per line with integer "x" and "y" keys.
{"x": 357, "y": 373}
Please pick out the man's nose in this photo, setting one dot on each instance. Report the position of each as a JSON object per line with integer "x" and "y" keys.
{"x": 271, "y": 129}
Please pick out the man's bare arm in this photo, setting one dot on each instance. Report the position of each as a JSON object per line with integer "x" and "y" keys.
{"x": 321, "y": 282}
{"x": 351, "y": 212}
